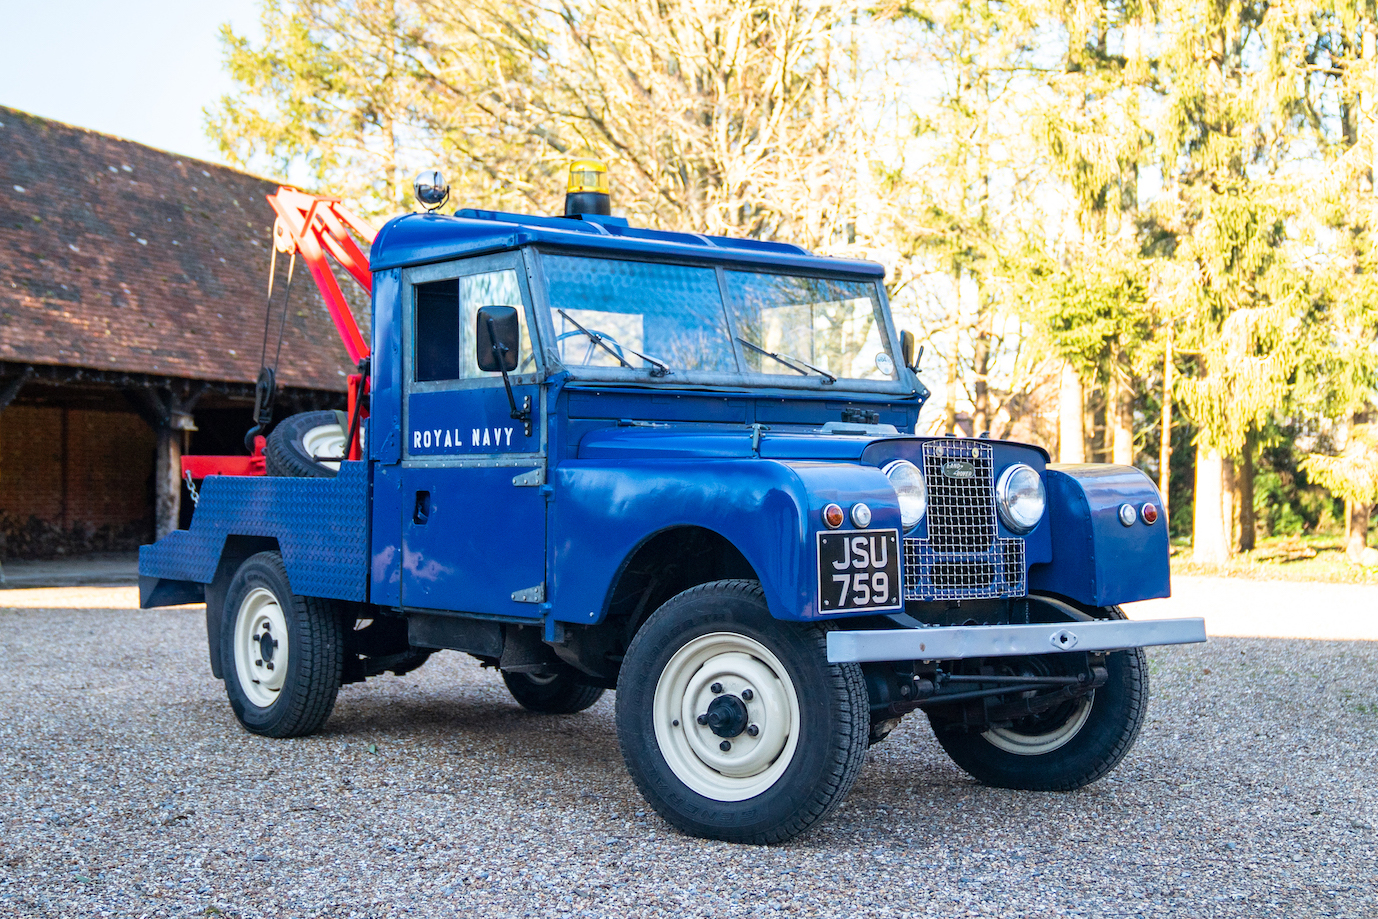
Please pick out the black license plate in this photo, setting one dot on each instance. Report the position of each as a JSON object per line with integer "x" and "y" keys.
{"x": 859, "y": 570}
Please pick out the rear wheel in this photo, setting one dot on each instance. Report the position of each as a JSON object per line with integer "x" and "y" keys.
{"x": 734, "y": 725}
{"x": 556, "y": 691}
{"x": 307, "y": 445}
{"x": 282, "y": 654}
{"x": 1066, "y": 747}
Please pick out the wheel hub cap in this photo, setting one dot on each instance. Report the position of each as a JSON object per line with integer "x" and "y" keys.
{"x": 719, "y": 686}
{"x": 260, "y": 647}
{"x": 727, "y": 716}
{"x": 266, "y": 644}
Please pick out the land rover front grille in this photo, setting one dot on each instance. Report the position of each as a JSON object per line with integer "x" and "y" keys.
{"x": 964, "y": 557}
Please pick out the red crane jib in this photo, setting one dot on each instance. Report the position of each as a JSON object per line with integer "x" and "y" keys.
{"x": 313, "y": 226}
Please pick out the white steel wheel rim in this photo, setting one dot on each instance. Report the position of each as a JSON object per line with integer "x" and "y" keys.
{"x": 325, "y": 440}
{"x": 692, "y": 751}
{"x": 261, "y": 647}
{"x": 1020, "y": 744}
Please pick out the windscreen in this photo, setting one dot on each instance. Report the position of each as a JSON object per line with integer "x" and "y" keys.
{"x": 632, "y": 311}
{"x": 669, "y": 319}
{"x": 820, "y": 323}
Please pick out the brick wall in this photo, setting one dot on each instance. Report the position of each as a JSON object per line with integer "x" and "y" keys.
{"x": 108, "y": 467}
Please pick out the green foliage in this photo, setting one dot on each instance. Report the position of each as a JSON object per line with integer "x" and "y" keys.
{"x": 1092, "y": 313}
{"x": 1353, "y": 474}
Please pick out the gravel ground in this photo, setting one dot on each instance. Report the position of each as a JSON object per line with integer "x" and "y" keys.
{"x": 127, "y": 789}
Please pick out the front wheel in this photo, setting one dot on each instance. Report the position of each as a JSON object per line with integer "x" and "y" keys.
{"x": 734, "y": 726}
{"x": 1067, "y": 747}
{"x": 283, "y": 655}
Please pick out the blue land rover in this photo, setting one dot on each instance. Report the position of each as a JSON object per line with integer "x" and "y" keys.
{"x": 683, "y": 467}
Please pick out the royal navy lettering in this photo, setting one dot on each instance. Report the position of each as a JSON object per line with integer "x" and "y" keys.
{"x": 478, "y": 437}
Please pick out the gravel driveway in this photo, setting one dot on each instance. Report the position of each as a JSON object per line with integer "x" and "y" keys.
{"x": 127, "y": 789}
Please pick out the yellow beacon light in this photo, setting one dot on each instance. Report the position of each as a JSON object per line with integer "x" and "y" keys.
{"x": 588, "y": 175}
{"x": 588, "y": 189}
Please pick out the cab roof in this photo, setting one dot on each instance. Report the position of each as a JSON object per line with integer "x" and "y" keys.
{"x": 416, "y": 239}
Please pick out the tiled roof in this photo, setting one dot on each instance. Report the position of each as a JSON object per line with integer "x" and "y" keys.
{"x": 118, "y": 257}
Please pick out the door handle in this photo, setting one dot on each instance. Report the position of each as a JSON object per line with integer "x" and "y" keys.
{"x": 422, "y": 511}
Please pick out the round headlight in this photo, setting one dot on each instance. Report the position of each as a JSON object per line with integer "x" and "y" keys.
{"x": 913, "y": 492}
{"x": 1020, "y": 498}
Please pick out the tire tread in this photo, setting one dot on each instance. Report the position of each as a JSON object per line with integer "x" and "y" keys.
{"x": 319, "y": 661}
{"x": 284, "y": 454}
{"x": 847, "y": 692}
{"x": 1135, "y": 710}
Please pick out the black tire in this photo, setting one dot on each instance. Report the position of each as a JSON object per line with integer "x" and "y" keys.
{"x": 1117, "y": 712}
{"x": 808, "y": 776}
{"x": 315, "y": 651}
{"x": 287, "y": 452}
{"x": 555, "y": 692}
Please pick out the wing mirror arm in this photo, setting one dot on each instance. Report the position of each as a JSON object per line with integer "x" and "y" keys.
{"x": 499, "y": 358}
{"x": 503, "y": 358}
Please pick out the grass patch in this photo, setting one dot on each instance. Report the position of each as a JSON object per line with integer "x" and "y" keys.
{"x": 1283, "y": 558}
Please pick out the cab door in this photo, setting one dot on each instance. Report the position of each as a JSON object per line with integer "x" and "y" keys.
{"x": 473, "y": 511}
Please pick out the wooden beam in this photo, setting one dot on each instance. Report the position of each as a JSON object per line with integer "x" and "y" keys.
{"x": 13, "y": 386}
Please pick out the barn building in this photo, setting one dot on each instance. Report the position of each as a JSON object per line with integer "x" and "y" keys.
{"x": 133, "y": 290}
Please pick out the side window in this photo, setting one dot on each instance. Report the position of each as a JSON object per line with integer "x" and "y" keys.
{"x": 444, "y": 324}
{"x": 437, "y": 331}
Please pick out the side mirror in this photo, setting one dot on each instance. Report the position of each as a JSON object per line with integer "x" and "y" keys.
{"x": 907, "y": 343}
{"x": 496, "y": 337}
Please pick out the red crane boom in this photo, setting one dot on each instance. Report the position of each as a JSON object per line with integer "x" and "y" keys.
{"x": 314, "y": 226}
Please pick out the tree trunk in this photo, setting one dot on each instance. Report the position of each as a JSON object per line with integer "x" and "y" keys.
{"x": 1119, "y": 417}
{"x": 1091, "y": 401}
{"x": 950, "y": 412}
{"x": 1071, "y": 411}
{"x": 1356, "y": 541}
{"x": 1244, "y": 494}
{"x": 1211, "y": 517}
{"x": 167, "y": 499}
{"x": 1165, "y": 438}
{"x": 980, "y": 365}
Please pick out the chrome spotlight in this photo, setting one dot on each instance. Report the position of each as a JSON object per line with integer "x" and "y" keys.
{"x": 431, "y": 188}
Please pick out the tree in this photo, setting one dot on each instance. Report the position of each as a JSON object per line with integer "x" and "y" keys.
{"x": 1353, "y": 475}
{"x": 1223, "y": 132}
{"x": 955, "y": 226}
{"x": 329, "y": 90}
{"x": 740, "y": 117}
{"x": 1089, "y": 126}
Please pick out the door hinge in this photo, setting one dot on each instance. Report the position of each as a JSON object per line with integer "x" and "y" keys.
{"x": 530, "y": 595}
{"x": 533, "y": 477}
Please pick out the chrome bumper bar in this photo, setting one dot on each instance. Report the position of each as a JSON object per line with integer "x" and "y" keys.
{"x": 942, "y": 643}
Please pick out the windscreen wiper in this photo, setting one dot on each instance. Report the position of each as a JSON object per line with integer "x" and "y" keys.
{"x": 789, "y": 361}
{"x": 661, "y": 368}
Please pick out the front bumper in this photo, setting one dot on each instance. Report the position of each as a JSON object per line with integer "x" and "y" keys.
{"x": 942, "y": 643}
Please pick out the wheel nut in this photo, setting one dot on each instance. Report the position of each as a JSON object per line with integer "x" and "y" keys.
{"x": 269, "y": 665}
{"x": 716, "y": 688}
{"x": 747, "y": 694}
{"x": 703, "y": 719}
{"x": 675, "y": 723}
{"x": 725, "y": 746}
{"x": 752, "y": 730}
{"x": 258, "y": 663}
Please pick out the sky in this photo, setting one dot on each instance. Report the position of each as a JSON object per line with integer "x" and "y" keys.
{"x": 138, "y": 69}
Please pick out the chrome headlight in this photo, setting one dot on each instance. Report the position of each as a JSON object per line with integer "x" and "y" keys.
{"x": 1020, "y": 497}
{"x": 913, "y": 492}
